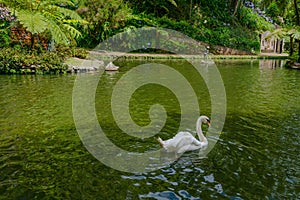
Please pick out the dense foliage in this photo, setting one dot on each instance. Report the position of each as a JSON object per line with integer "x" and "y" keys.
{"x": 226, "y": 23}
{"x": 24, "y": 61}
{"x": 86, "y": 23}
{"x": 104, "y": 17}
{"x": 212, "y": 22}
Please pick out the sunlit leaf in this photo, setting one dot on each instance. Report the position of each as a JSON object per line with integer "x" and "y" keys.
{"x": 173, "y": 2}
{"x": 34, "y": 22}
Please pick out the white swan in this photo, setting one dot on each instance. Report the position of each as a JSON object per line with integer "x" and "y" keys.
{"x": 185, "y": 141}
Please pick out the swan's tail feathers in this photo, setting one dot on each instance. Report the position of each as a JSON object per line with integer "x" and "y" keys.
{"x": 161, "y": 142}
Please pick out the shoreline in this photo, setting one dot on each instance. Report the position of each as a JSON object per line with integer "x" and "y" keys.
{"x": 96, "y": 60}
{"x": 114, "y": 55}
{"x": 258, "y": 56}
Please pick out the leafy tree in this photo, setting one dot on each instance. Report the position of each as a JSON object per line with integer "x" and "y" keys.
{"x": 158, "y": 8}
{"x": 105, "y": 18}
{"x": 292, "y": 26}
{"x": 273, "y": 10}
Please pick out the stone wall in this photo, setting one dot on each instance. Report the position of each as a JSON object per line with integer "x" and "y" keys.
{"x": 220, "y": 50}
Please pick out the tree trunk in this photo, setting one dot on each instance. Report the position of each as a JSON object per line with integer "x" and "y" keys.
{"x": 235, "y": 6}
{"x": 191, "y": 8}
{"x": 298, "y": 23}
{"x": 32, "y": 41}
{"x": 291, "y": 45}
{"x": 297, "y": 12}
{"x": 298, "y": 51}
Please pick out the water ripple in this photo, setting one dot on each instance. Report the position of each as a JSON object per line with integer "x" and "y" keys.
{"x": 165, "y": 195}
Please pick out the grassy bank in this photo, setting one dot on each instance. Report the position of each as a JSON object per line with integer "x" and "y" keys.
{"x": 260, "y": 56}
{"x": 149, "y": 56}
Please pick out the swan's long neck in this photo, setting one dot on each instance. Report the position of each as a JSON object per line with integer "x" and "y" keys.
{"x": 202, "y": 138}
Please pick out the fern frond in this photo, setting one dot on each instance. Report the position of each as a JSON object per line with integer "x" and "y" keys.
{"x": 50, "y": 15}
{"x": 45, "y": 4}
{"x": 73, "y": 21}
{"x": 65, "y": 12}
{"x": 38, "y": 15}
{"x": 57, "y": 33}
{"x": 63, "y": 2}
{"x": 34, "y": 22}
{"x": 73, "y": 32}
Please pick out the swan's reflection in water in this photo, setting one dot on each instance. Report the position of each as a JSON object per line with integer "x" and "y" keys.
{"x": 170, "y": 157}
{"x": 189, "y": 168}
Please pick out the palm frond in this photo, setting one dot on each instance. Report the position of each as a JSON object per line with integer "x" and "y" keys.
{"x": 296, "y": 35}
{"x": 291, "y": 31}
{"x": 278, "y": 33}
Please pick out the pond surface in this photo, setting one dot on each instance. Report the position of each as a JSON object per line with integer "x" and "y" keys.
{"x": 256, "y": 157}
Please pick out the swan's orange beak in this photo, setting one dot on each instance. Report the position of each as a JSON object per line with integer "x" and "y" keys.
{"x": 208, "y": 122}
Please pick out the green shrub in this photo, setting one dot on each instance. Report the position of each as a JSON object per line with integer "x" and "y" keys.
{"x": 253, "y": 21}
{"x": 4, "y": 33}
{"x": 4, "y": 38}
{"x": 233, "y": 37}
{"x": 21, "y": 61}
{"x": 65, "y": 51}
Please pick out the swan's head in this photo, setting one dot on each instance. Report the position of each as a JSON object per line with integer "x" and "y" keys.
{"x": 205, "y": 120}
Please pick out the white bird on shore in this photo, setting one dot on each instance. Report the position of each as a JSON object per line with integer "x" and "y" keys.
{"x": 185, "y": 141}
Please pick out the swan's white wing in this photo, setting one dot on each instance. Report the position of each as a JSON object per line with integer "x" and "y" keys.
{"x": 180, "y": 139}
{"x": 188, "y": 143}
{"x": 172, "y": 144}
{"x": 183, "y": 134}
{"x": 186, "y": 140}
{"x": 181, "y": 142}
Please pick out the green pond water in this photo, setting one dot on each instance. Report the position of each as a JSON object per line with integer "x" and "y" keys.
{"x": 256, "y": 156}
